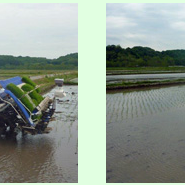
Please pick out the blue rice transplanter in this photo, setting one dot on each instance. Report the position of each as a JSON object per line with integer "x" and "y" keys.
{"x": 16, "y": 116}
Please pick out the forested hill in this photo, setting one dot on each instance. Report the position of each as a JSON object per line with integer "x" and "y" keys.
{"x": 143, "y": 56}
{"x": 64, "y": 62}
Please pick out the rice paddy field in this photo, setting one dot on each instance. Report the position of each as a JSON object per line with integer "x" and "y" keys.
{"x": 116, "y": 79}
{"x": 11, "y": 73}
{"x": 146, "y": 135}
{"x": 45, "y": 158}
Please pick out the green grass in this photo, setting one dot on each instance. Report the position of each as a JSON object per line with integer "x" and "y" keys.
{"x": 125, "y": 84}
{"x": 4, "y": 74}
{"x": 173, "y": 68}
{"x": 66, "y": 77}
{"x": 48, "y": 82}
{"x": 144, "y": 70}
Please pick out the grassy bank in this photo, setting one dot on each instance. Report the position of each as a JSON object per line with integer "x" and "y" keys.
{"x": 144, "y": 70}
{"x": 142, "y": 84}
{"x": 47, "y": 83}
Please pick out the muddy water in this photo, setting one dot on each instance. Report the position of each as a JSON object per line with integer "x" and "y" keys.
{"x": 49, "y": 157}
{"x": 146, "y": 135}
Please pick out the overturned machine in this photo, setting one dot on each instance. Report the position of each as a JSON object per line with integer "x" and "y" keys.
{"x": 22, "y": 108}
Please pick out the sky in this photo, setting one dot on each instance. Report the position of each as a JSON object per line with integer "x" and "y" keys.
{"x": 39, "y": 29}
{"x": 159, "y": 26}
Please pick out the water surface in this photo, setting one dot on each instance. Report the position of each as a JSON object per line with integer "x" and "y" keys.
{"x": 146, "y": 135}
{"x": 142, "y": 77}
{"x": 49, "y": 157}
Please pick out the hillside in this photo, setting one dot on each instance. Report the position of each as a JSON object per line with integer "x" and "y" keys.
{"x": 69, "y": 61}
{"x": 139, "y": 56}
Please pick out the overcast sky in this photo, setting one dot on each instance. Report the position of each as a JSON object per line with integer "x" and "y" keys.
{"x": 159, "y": 26}
{"x": 41, "y": 30}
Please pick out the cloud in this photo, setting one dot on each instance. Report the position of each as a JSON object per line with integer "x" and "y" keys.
{"x": 180, "y": 25}
{"x": 156, "y": 25}
{"x": 118, "y": 22}
{"x": 43, "y": 29}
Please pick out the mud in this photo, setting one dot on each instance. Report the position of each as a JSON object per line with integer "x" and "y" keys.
{"x": 145, "y": 136}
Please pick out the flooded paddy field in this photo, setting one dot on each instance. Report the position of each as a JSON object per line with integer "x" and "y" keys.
{"x": 143, "y": 77}
{"x": 51, "y": 157}
{"x": 146, "y": 135}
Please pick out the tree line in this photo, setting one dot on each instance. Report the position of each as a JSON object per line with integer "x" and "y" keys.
{"x": 68, "y": 62}
{"x": 139, "y": 56}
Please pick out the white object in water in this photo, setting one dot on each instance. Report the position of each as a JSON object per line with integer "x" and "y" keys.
{"x": 59, "y": 93}
{"x": 59, "y": 82}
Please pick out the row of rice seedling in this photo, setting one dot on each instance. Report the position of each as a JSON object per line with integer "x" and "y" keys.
{"x": 27, "y": 94}
{"x": 125, "y": 105}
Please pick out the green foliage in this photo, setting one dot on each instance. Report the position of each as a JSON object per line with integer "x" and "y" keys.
{"x": 19, "y": 94}
{"x": 68, "y": 62}
{"x": 143, "y": 57}
{"x": 28, "y": 81}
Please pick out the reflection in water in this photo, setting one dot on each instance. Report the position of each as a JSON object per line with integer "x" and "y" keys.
{"x": 145, "y": 135}
{"x": 49, "y": 157}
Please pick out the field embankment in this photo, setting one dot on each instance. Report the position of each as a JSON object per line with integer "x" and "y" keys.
{"x": 144, "y": 70}
{"x": 47, "y": 82}
{"x": 144, "y": 84}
